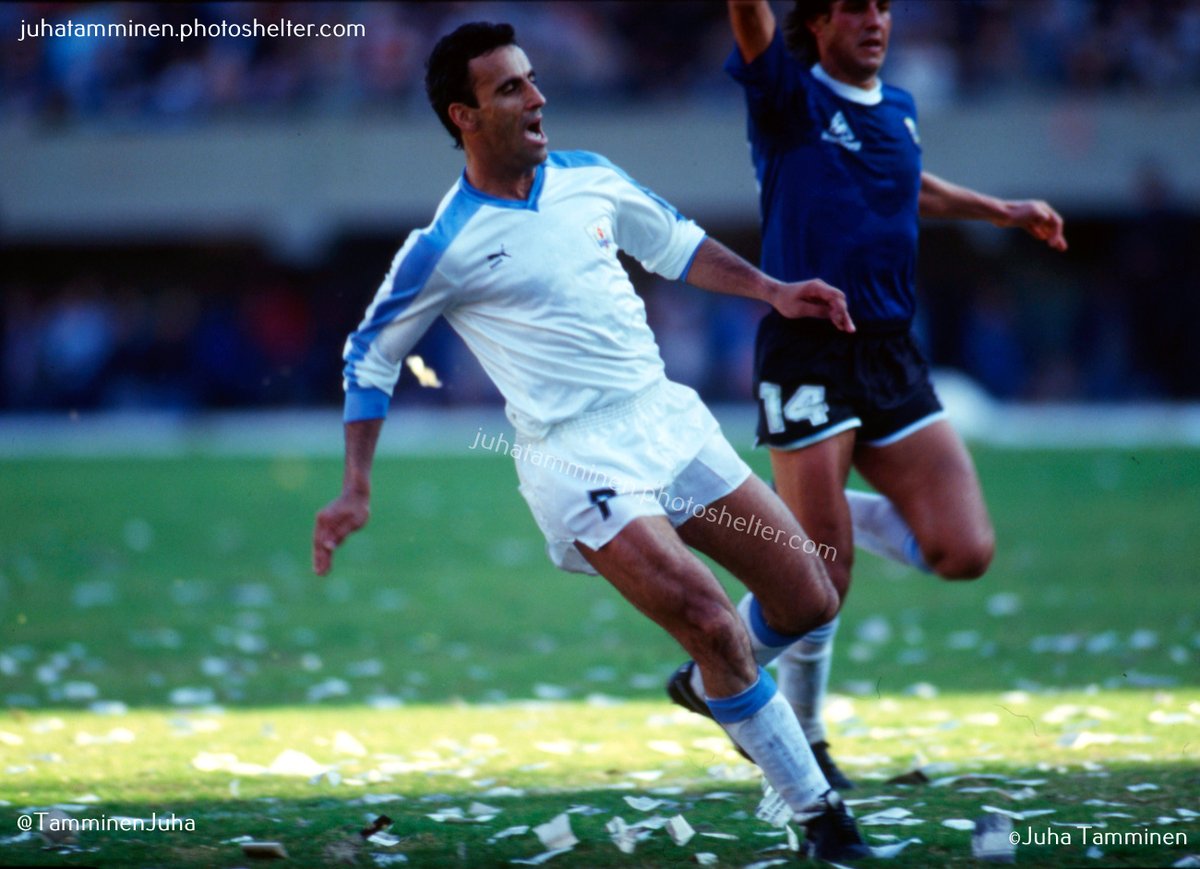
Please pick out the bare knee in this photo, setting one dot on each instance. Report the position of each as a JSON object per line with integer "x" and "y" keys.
{"x": 711, "y": 626}
{"x": 964, "y": 559}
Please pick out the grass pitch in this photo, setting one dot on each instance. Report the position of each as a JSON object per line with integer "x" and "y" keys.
{"x": 164, "y": 649}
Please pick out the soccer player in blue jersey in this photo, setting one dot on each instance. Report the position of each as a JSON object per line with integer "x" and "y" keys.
{"x": 622, "y": 469}
{"x": 837, "y": 155}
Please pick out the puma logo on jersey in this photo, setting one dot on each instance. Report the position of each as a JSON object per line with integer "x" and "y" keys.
{"x": 494, "y": 259}
{"x": 839, "y": 133}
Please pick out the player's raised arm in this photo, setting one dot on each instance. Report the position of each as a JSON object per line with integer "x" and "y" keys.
{"x": 350, "y": 510}
{"x": 720, "y": 270}
{"x": 941, "y": 199}
{"x": 753, "y": 25}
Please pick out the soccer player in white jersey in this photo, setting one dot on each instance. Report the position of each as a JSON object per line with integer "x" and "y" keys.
{"x": 622, "y": 469}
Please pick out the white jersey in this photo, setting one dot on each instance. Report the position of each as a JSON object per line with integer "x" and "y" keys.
{"x": 534, "y": 288}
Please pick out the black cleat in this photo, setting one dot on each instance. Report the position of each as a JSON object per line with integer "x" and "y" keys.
{"x": 836, "y": 778}
{"x": 679, "y": 689}
{"x": 833, "y": 835}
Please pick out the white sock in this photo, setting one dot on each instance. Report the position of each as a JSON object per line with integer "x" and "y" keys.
{"x": 881, "y": 530}
{"x": 804, "y": 676}
{"x": 766, "y": 643}
{"x": 760, "y": 721}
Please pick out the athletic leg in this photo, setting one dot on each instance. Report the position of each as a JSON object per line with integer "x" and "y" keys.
{"x": 931, "y": 480}
{"x": 649, "y": 565}
{"x": 770, "y": 564}
{"x": 812, "y": 483}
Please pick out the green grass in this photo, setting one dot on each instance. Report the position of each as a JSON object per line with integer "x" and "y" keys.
{"x": 123, "y": 582}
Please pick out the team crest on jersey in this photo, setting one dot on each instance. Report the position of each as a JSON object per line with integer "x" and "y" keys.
{"x": 839, "y": 133}
{"x": 601, "y": 232}
{"x": 912, "y": 130}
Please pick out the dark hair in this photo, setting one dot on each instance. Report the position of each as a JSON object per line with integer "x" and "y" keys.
{"x": 799, "y": 39}
{"x": 447, "y": 76}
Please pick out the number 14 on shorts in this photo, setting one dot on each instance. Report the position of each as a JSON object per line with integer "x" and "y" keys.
{"x": 807, "y": 403}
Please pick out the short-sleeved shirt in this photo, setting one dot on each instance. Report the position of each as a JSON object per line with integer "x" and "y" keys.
{"x": 839, "y": 172}
{"x": 535, "y": 289}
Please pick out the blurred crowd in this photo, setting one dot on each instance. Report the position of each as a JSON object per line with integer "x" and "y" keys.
{"x": 186, "y": 330}
{"x": 227, "y": 325}
{"x": 587, "y": 53}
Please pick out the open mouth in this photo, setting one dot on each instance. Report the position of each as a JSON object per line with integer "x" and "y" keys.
{"x": 535, "y": 133}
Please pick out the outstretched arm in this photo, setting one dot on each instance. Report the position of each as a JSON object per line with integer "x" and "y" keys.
{"x": 350, "y": 510}
{"x": 753, "y": 25}
{"x": 720, "y": 270}
{"x": 940, "y": 198}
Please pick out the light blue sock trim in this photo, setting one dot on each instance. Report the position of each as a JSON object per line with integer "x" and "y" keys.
{"x": 764, "y": 633}
{"x": 822, "y": 635}
{"x": 739, "y": 707}
{"x": 913, "y": 553}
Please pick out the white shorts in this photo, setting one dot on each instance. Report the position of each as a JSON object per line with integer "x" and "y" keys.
{"x": 659, "y": 453}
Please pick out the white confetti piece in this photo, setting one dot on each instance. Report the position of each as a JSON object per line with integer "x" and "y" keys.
{"x": 763, "y": 864}
{"x": 455, "y": 815}
{"x": 425, "y": 375}
{"x": 79, "y": 691}
{"x": 646, "y": 775}
{"x": 644, "y": 804}
{"x": 540, "y": 858}
{"x": 389, "y": 859}
{"x": 624, "y": 837}
{"x": 680, "y": 831}
{"x": 705, "y": 858}
{"x": 191, "y": 696}
{"x": 556, "y": 833}
{"x": 888, "y": 852}
{"x": 724, "y": 836}
{"x": 331, "y": 777}
{"x": 384, "y": 839}
{"x": 1158, "y": 716}
{"x": 1004, "y": 603}
{"x": 297, "y": 763}
{"x": 347, "y": 743}
{"x": 772, "y": 808}
{"x": 508, "y": 832}
{"x": 666, "y": 746}
{"x": 562, "y": 747}
{"x": 959, "y": 824}
{"x": 892, "y": 815}
{"x": 1019, "y": 816}
{"x": 1143, "y": 786}
{"x": 503, "y": 791}
{"x": 1086, "y": 738}
{"x": 108, "y": 707}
